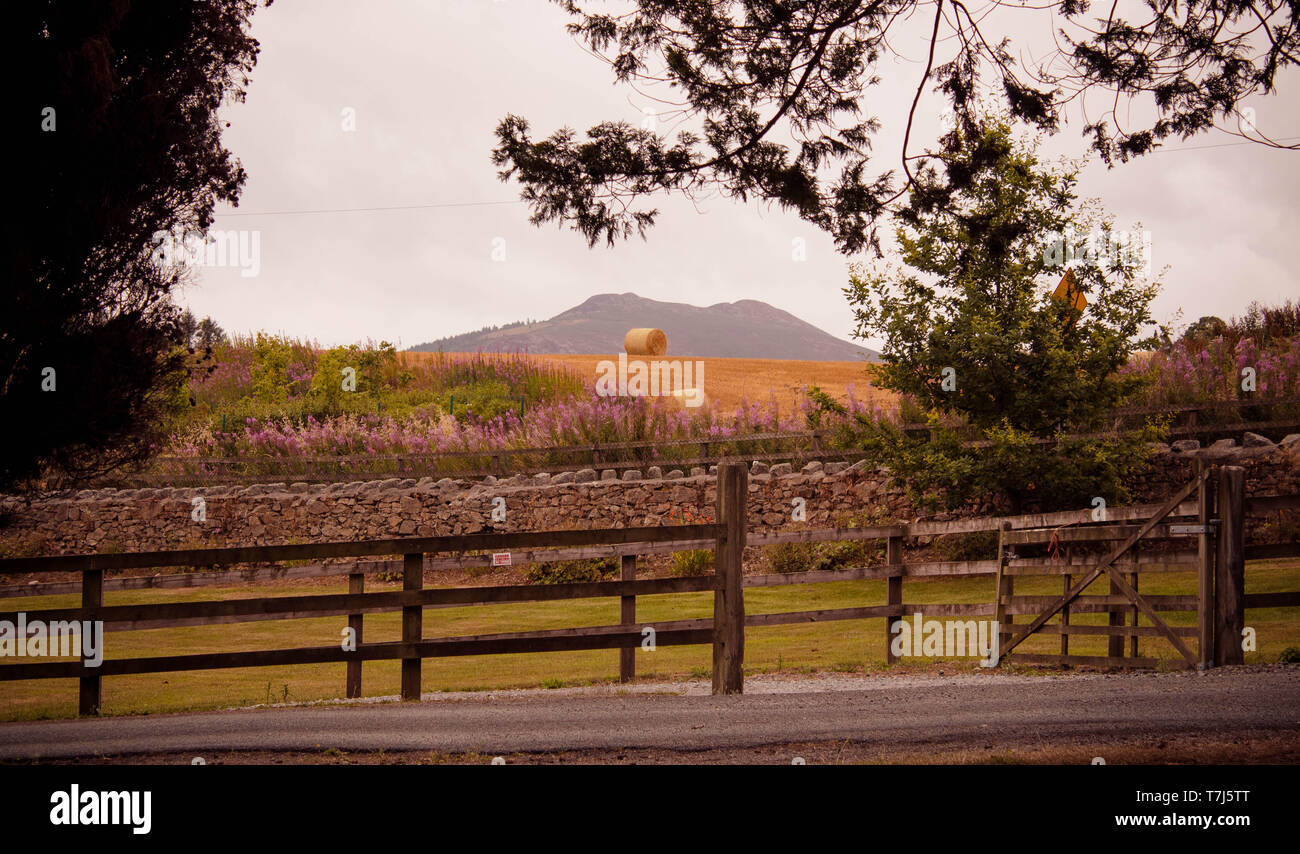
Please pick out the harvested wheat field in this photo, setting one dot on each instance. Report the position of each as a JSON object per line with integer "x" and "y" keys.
{"x": 729, "y": 381}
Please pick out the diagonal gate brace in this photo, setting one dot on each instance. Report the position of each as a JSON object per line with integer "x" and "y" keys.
{"x": 1116, "y": 576}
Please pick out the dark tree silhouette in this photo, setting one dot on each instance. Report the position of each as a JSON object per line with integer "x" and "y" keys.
{"x": 773, "y": 93}
{"x": 119, "y": 140}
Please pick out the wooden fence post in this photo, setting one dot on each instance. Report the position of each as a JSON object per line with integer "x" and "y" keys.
{"x": 1133, "y": 582}
{"x": 729, "y": 598}
{"x": 1065, "y": 616}
{"x": 1115, "y": 643}
{"x": 1205, "y": 572}
{"x": 356, "y": 584}
{"x": 893, "y": 594}
{"x": 90, "y": 694}
{"x": 412, "y": 624}
{"x": 1230, "y": 568}
{"x": 1004, "y": 590}
{"x": 627, "y": 616}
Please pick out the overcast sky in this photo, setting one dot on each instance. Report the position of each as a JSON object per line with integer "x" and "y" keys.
{"x": 428, "y": 80}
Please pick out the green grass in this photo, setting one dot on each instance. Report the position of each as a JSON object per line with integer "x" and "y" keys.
{"x": 851, "y": 646}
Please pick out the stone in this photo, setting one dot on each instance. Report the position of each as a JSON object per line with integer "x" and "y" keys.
{"x": 675, "y": 474}
{"x": 299, "y": 486}
{"x": 609, "y": 474}
{"x": 654, "y": 473}
{"x": 1183, "y": 446}
{"x": 1223, "y": 445}
{"x": 713, "y": 470}
{"x": 811, "y": 467}
{"x": 584, "y": 475}
{"x": 858, "y": 466}
{"x": 564, "y": 477}
{"x": 1254, "y": 440}
{"x": 1290, "y": 439}
{"x": 632, "y": 474}
{"x": 781, "y": 469}
{"x": 835, "y": 468}
{"x": 542, "y": 478}
{"x": 697, "y": 472}
{"x": 489, "y": 480}
{"x": 1158, "y": 448}
{"x": 758, "y": 467}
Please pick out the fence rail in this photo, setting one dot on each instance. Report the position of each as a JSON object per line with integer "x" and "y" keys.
{"x": 1214, "y": 550}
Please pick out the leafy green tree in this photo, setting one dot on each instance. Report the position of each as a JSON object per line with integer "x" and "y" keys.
{"x": 370, "y": 369}
{"x": 271, "y": 382}
{"x": 976, "y": 337}
{"x": 118, "y": 136}
{"x": 772, "y": 97}
{"x": 1205, "y": 329}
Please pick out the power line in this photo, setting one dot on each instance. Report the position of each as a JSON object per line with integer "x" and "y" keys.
{"x": 1221, "y": 145}
{"x": 307, "y": 211}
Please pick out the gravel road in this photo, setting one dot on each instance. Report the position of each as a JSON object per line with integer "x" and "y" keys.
{"x": 927, "y": 713}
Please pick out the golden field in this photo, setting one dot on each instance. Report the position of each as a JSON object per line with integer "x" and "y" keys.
{"x": 729, "y": 381}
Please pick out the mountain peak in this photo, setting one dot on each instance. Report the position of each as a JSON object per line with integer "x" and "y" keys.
{"x": 747, "y": 329}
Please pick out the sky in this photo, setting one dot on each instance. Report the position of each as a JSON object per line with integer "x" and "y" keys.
{"x": 393, "y": 104}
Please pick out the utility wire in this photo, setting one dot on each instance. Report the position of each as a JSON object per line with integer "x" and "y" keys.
{"x": 305, "y": 211}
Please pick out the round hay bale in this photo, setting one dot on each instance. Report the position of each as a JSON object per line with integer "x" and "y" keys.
{"x": 645, "y": 342}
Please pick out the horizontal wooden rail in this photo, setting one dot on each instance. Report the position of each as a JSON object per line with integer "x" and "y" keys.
{"x": 541, "y": 555}
{"x": 1107, "y": 631}
{"x": 1272, "y": 550}
{"x": 555, "y": 640}
{"x": 1098, "y": 603}
{"x": 1100, "y": 533}
{"x": 1290, "y": 599}
{"x": 408, "y": 545}
{"x": 1043, "y": 520}
{"x": 343, "y": 603}
{"x": 1098, "y": 661}
{"x": 1205, "y": 407}
{"x": 1177, "y": 562}
{"x": 1270, "y": 504}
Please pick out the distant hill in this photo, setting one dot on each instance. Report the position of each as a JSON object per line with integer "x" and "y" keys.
{"x": 746, "y": 329}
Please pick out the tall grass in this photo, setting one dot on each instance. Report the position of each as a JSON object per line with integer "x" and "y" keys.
{"x": 272, "y": 398}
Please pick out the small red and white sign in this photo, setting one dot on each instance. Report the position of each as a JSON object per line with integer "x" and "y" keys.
{"x": 501, "y": 558}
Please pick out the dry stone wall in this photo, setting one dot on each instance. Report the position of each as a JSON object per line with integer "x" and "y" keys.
{"x": 110, "y": 520}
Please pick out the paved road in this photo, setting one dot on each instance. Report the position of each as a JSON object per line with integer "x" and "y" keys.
{"x": 927, "y": 712}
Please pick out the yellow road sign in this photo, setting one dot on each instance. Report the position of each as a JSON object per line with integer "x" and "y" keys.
{"x": 1069, "y": 291}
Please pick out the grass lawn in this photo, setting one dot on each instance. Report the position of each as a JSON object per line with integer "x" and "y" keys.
{"x": 845, "y": 646}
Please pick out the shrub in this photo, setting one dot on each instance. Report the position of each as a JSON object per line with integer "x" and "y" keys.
{"x": 975, "y": 545}
{"x": 572, "y": 571}
{"x": 692, "y": 562}
{"x": 809, "y": 557}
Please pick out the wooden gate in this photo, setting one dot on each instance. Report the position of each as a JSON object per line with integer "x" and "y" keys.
{"x": 1124, "y": 600}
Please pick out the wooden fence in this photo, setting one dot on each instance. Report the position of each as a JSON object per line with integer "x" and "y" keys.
{"x": 1209, "y": 541}
{"x": 781, "y": 446}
